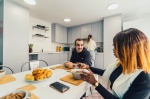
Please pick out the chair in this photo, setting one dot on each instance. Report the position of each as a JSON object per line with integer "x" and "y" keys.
{"x": 5, "y": 67}
{"x": 33, "y": 64}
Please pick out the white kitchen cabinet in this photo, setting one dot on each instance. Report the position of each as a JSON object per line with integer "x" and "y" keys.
{"x": 54, "y": 58}
{"x": 65, "y": 39}
{"x": 69, "y": 56}
{"x": 85, "y": 31}
{"x": 73, "y": 34}
{"x": 97, "y": 31}
{"x": 70, "y": 32}
{"x": 58, "y": 33}
{"x": 46, "y": 57}
{"x": 99, "y": 60}
{"x": 112, "y": 25}
{"x": 63, "y": 57}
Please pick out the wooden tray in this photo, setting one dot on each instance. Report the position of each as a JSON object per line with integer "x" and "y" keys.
{"x": 7, "y": 79}
{"x": 69, "y": 78}
{"x": 60, "y": 67}
{"x": 29, "y": 88}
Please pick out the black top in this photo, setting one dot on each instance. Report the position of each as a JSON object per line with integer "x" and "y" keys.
{"x": 139, "y": 89}
{"x": 83, "y": 57}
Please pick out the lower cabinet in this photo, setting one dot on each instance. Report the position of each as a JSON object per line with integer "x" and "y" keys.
{"x": 52, "y": 58}
{"x": 63, "y": 57}
{"x": 99, "y": 60}
{"x": 46, "y": 57}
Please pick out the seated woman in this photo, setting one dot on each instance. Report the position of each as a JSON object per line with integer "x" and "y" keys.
{"x": 129, "y": 76}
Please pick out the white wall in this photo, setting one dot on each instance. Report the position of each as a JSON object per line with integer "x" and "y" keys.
{"x": 39, "y": 42}
{"x": 16, "y": 35}
{"x": 141, "y": 24}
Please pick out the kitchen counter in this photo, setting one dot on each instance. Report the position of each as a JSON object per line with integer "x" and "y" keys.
{"x": 47, "y": 52}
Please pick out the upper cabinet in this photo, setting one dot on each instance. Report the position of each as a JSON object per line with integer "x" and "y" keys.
{"x": 73, "y": 34}
{"x": 59, "y": 33}
{"x": 85, "y": 30}
{"x": 97, "y": 31}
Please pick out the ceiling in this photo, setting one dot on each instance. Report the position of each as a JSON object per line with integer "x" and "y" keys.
{"x": 85, "y": 11}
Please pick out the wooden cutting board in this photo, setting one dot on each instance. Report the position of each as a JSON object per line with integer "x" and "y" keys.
{"x": 69, "y": 78}
{"x": 33, "y": 96}
{"x": 57, "y": 67}
{"x": 60, "y": 67}
{"x": 29, "y": 87}
{"x": 7, "y": 79}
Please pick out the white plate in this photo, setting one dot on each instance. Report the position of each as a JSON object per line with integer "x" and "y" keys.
{"x": 27, "y": 94}
{"x": 38, "y": 80}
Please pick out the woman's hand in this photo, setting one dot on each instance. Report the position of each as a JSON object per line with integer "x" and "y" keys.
{"x": 88, "y": 77}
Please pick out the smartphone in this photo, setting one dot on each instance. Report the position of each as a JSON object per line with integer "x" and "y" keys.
{"x": 59, "y": 87}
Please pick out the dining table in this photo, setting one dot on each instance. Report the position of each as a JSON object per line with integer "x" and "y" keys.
{"x": 43, "y": 89}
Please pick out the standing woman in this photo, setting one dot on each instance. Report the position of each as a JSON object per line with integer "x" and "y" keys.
{"x": 91, "y": 46}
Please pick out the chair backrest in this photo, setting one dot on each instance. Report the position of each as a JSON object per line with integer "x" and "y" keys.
{"x": 33, "y": 64}
{"x": 3, "y": 67}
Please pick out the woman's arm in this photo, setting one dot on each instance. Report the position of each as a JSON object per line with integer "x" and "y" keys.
{"x": 140, "y": 88}
{"x": 97, "y": 71}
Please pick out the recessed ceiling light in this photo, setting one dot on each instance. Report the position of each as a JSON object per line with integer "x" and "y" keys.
{"x": 113, "y": 6}
{"x": 67, "y": 20}
{"x": 31, "y": 2}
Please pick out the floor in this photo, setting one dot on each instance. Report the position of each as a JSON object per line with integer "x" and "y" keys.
{"x": 95, "y": 94}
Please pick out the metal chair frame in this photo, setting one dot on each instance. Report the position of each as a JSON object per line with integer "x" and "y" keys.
{"x": 32, "y": 61}
{"x": 7, "y": 67}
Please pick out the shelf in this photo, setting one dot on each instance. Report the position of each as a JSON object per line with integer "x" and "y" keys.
{"x": 39, "y": 35}
{"x": 40, "y": 28}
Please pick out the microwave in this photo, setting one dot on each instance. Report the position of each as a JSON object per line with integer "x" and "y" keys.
{"x": 66, "y": 48}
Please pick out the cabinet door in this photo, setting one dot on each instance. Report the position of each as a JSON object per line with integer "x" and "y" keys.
{"x": 63, "y": 57}
{"x": 64, "y": 35}
{"x": 70, "y": 31}
{"x": 45, "y": 57}
{"x": 85, "y": 30}
{"x": 76, "y": 33}
{"x": 97, "y": 31}
{"x": 58, "y": 32}
{"x": 54, "y": 59}
{"x": 99, "y": 61}
{"x": 69, "y": 56}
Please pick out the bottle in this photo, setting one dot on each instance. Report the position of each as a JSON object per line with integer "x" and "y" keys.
{"x": 60, "y": 49}
{"x": 57, "y": 48}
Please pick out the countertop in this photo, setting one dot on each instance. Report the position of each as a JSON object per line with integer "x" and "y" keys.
{"x": 49, "y": 52}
